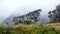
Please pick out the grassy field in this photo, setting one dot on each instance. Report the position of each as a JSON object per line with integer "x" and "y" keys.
{"x": 53, "y": 28}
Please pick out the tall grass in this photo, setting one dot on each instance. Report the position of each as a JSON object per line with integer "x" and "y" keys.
{"x": 30, "y": 29}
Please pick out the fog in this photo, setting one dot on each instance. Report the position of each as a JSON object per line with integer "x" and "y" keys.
{"x": 7, "y": 7}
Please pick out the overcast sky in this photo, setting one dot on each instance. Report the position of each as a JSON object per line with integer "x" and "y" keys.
{"x": 7, "y": 7}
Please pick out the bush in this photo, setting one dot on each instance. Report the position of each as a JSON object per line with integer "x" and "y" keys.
{"x": 23, "y": 22}
{"x": 27, "y": 22}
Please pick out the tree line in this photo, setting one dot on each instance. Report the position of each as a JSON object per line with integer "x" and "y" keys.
{"x": 54, "y": 16}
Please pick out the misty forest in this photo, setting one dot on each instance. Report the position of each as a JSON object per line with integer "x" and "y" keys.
{"x": 33, "y": 17}
{"x": 31, "y": 23}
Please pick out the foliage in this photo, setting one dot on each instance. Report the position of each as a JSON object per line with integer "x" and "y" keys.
{"x": 27, "y": 22}
{"x": 55, "y": 14}
{"x": 4, "y": 30}
{"x": 24, "y": 22}
{"x": 29, "y": 29}
{"x": 30, "y": 16}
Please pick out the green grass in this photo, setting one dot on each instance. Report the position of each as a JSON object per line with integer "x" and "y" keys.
{"x": 31, "y": 29}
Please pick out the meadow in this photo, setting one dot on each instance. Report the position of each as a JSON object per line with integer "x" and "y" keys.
{"x": 52, "y": 28}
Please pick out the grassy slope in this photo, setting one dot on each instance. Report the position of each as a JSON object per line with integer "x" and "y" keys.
{"x": 24, "y": 28}
{"x": 51, "y": 28}
{"x": 54, "y": 25}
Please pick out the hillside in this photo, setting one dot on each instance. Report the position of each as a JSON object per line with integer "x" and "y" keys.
{"x": 52, "y": 28}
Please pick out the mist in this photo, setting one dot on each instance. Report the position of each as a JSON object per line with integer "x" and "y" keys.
{"x": 21, "y": 7}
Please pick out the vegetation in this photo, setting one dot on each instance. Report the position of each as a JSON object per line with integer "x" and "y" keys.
{"x": 55, "y": 15}
{"x": 24, "y": 22}
{"x": 31, "y": 29}
{"x": 26, "y": 26}
{"x": 30, "y": 16}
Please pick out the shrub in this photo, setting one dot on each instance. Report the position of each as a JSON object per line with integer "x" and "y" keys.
{"x": 27, "y": 22}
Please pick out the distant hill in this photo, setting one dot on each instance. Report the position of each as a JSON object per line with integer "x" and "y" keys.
{"x": 9, "y": 20}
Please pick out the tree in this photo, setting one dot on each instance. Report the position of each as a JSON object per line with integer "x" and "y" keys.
{"x": 30, "y": 16}
{"x": 55, "y": 14}
{"x": 34, "y": 15}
